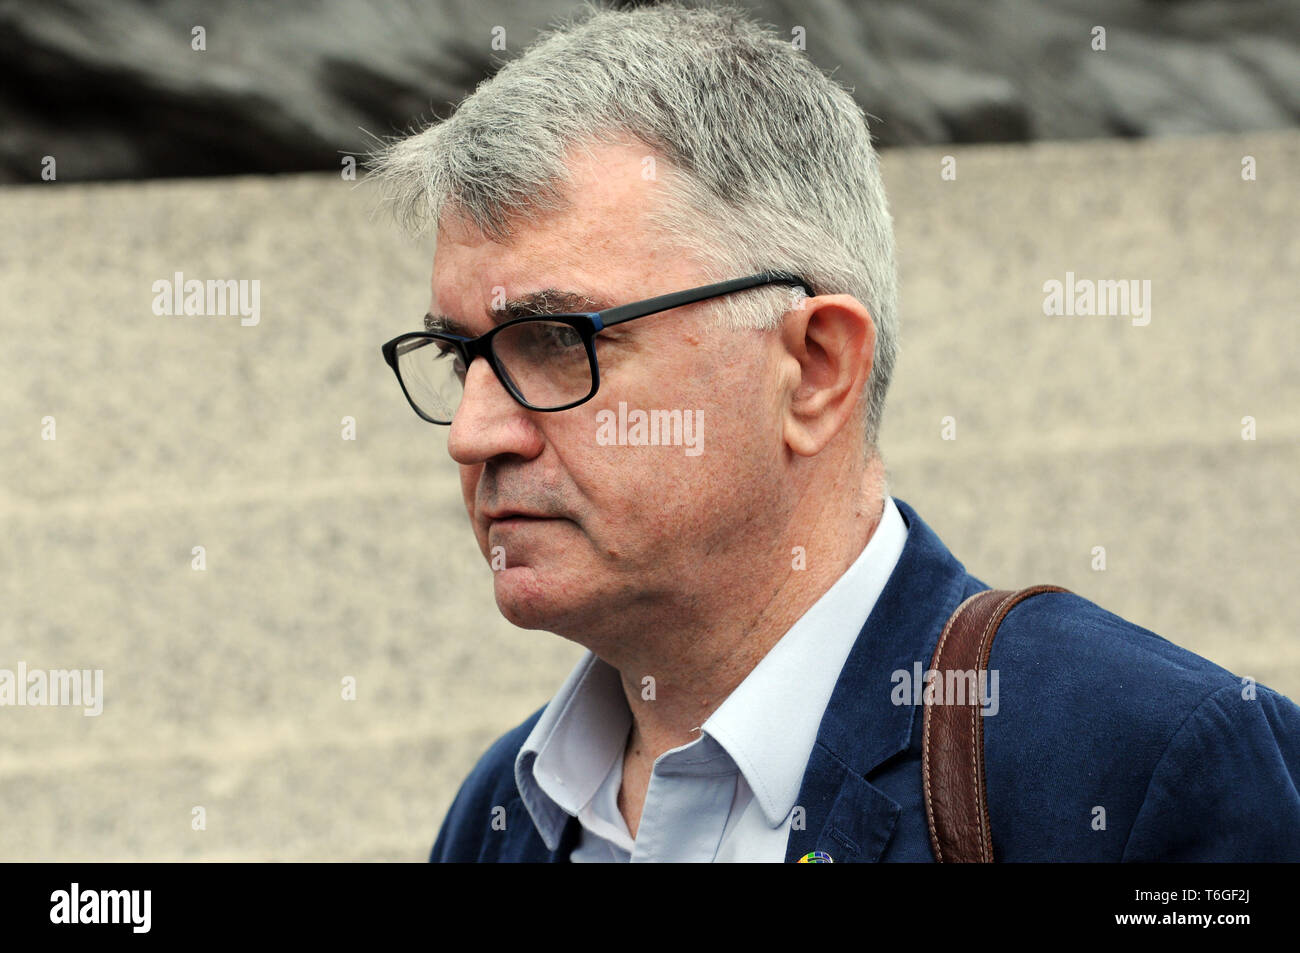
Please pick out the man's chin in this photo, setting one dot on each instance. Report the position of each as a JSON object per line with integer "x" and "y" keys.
{"x": 527, "y": 599}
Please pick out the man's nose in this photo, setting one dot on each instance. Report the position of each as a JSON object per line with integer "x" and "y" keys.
{"x": 489, "y": 422}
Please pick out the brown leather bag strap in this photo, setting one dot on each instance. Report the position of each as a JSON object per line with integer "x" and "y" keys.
{"x": 952, "y": 751}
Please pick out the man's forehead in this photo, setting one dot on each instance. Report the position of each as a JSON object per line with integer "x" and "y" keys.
{"x": 599, "y": 242}
{"x": 473, "y": 289}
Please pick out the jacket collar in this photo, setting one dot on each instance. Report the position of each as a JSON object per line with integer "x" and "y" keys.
{"x": 845, "y": 815}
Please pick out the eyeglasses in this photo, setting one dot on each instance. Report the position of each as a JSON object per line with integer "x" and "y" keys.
{"x": 545, "y": 362}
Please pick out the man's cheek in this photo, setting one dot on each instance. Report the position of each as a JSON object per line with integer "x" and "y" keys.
{"x": 468, "y": 493}
{"x": 668, "y": 519}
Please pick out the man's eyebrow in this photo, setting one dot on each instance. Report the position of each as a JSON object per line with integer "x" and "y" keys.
{"x": 440, "y": 322}
{"x": 546, "y": 301}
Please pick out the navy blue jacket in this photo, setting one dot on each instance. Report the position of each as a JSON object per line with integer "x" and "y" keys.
{"x": 1187, "y": 761}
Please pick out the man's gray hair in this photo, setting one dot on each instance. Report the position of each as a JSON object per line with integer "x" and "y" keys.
{"x": 767, "y": 162}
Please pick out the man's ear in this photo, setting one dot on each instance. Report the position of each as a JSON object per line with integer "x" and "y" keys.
{"x": 832, "y": 339}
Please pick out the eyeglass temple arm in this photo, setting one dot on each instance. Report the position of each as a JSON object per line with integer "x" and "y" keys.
{"x": 678, "y": 298}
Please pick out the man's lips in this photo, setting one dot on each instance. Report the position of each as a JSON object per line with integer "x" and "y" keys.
{"x": 511, "y": 516}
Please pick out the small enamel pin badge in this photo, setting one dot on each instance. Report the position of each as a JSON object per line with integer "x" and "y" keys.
{"x": 816, "y": 857}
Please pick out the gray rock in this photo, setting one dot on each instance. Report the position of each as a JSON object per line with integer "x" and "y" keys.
{"x": 114, "y": 90}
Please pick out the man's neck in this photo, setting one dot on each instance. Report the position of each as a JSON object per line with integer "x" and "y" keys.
{"x": 677, "y": 680}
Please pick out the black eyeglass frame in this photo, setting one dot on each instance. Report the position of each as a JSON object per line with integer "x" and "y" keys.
{"x": 587, "y": 323}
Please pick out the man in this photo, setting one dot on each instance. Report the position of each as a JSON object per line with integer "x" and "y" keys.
{"x": 691, "y": 488}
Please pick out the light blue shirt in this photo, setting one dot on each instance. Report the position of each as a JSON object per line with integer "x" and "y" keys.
{"x": 728, "y": 795}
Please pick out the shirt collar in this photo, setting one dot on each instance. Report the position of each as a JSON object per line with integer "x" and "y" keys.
{"x": 573, "y": 746}
{"x": 768, "y": 725}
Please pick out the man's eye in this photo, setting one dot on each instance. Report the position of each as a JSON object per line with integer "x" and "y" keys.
{"x": 542, "y": 340}
{"x": 446, "y": 353}
{"x": 560, "y": 336}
